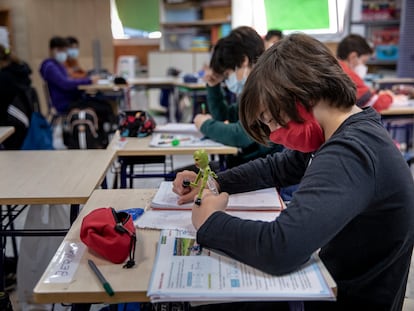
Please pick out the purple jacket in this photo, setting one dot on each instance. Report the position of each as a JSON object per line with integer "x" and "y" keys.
{"x": 62, "y": 89}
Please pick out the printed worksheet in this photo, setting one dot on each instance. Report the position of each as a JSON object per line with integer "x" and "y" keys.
{"x": 183, "y": 271}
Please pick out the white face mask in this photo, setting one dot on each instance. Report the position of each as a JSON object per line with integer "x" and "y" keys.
{"x": 234, "y": 85}
{"x": 361, "y": 70}
{"x": 73, "y": 52}
{"x": 61, "y": 56}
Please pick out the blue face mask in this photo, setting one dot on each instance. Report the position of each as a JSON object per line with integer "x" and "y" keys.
{"x": 73, "y": 52}
{"x": 61, "y": 57}
{"x": 234, "y": 85}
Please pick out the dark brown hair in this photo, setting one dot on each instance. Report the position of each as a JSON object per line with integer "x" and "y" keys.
{"x": 297, "y": 69}
{"x": 353, "y": 43}
{"x": 231, "y": 51}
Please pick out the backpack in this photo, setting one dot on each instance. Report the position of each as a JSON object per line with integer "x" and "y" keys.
{"x": 136, "y": 123}
{"x": 19, "y": 115}
{"x": 88, "y": 124}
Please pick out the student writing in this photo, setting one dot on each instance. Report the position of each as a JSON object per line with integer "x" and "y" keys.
{"x": 355, "y": 200}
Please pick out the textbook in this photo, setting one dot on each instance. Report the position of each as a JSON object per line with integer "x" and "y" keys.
{"x": 181, "y": 140}
{"x": 259, "y": 200}
{"x": 184, "y": 272}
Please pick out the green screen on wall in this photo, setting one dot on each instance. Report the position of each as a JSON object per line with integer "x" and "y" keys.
{"x": 139, "y": 14}
{"x": 297, "y": 14}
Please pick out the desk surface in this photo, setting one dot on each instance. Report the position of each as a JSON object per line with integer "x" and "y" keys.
{"x": 5, "y": 132}
{"x": 52, "y": 176}
{"x": 140, "y": 147}
{"x": 129, "y": 284}
{"x": 149, "y": 82}
{"x": 398, "y": 111}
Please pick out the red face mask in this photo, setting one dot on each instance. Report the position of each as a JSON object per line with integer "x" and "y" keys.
{"x": 304, "y": 137}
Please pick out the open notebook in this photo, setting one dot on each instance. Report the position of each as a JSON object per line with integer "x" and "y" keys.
{"x": 259, "y": 200}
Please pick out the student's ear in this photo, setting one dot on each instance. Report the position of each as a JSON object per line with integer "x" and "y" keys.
{"x": 352, "y": 59}
{"x": 245, "y": 62}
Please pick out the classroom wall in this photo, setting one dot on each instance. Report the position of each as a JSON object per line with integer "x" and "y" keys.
{"x": 34, "y": 22}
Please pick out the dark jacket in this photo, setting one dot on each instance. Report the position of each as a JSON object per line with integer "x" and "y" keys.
{"x": 14, "y": 79}
{"x": 355, "y": 203}
{"x": 63, "y": 90}
{"x": 231, "y": 132}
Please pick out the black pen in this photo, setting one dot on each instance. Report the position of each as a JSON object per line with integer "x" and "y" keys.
{"x": 101, "y": 278}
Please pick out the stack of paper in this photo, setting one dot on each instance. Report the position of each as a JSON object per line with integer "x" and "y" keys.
{"x": 174, "y": 219}
{"x": 259, "y": 200}
{"x": 184, "y": 273}
{"x": 181, "y": 140}
{"x": 178, "y": 128}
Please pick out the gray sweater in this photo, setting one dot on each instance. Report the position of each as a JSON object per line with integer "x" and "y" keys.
{"x": 355, "y": 203}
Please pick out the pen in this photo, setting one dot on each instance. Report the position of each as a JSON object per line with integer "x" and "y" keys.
{"x": 101, "y": 278}
{"x": 203, "y": 108}
{"x": 174, "y": 142}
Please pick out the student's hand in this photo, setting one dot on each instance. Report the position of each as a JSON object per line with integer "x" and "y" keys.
{"x": 186, "y": 193}
{"x": 200, "y": 118}
{"x": 212, "y": 78}
{"x": 210, "y": 203}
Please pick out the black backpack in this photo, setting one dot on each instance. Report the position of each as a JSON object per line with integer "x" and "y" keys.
{"x": 88, "y": 124}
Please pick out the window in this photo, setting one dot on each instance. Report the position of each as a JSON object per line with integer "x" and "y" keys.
{"x": 324, "y": 19}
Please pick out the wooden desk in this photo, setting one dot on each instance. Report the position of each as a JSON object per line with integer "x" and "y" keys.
{"x": 142, "y": 82}
{"x": 46, "y": 177}
{"x": 128, "y": 284}
{"x": 398, "y": 111}
{"x": 170, "y": 83}
{"x": 393, "y": 116}
{"x": 51, "y": 176}
{"x": 5, "y": 132}
{"x": 139, "y": 147}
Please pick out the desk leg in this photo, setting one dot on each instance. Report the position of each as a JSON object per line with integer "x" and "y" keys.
{"x": 74, "y": 211}
{"x": 123, "y": 175}
{"x": 3, "y": 253}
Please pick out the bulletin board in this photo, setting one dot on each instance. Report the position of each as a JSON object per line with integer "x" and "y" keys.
{"x": 297, "y": 14}
{"x": 139, "y": 14}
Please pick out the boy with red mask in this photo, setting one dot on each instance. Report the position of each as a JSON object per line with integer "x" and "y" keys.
{"x": 353, "y": 53}
{"x": 355, "y": 198}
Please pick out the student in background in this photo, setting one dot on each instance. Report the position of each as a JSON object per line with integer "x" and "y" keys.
{"x": 272, "y": 36}
{"x": 72, "y": 63}
{"x": 63, "y": 89}
{"x": 355, "y": 200}
{"x": 353, "y": 53}
{"x": 14, "y": 78}
{"x": 233, "y": 58}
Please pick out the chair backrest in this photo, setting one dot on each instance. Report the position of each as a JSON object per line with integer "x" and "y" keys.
{"x": 52, "y": 114}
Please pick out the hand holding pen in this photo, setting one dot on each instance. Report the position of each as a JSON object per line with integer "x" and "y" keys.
{"x": 211, "y": 203}
{"x": 186, "y": 193}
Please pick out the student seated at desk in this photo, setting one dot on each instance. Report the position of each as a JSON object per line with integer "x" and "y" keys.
{"x": 233, "y": 58}
{"x": 14, "y": 81}
{"x": 63, "y": 89}
{"x": 355, "y": 198}
{"x": 353, "y": 53}
{"x": 72, "y": 63}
